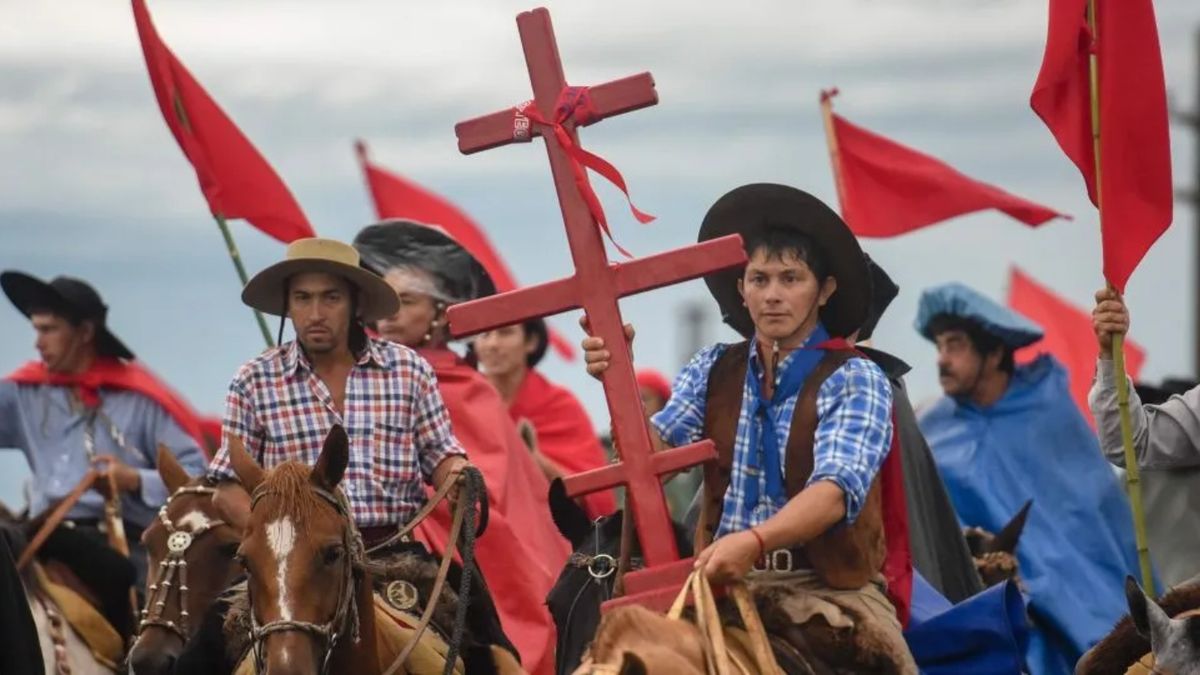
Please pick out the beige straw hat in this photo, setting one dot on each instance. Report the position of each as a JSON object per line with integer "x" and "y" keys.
{"x": 266, "y": 291}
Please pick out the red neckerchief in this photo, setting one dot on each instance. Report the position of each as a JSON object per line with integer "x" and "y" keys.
{"x": 110, "y": 373}
{"x": 897, "y": 565}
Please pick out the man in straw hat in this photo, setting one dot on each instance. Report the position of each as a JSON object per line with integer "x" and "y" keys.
{"x": 803, "y": 431}
{"x": 283, "y": 402}
{"x": 1005, "y": 434}
{"x": 86, "y": 404}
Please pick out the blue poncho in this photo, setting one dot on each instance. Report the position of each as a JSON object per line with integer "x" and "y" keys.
{"x": 1078, "y": 542}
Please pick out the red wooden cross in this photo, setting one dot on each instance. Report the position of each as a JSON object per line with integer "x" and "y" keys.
{"x": 596, "y": 286}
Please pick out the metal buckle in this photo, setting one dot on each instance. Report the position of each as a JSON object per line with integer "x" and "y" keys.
{"x": 781, "y": 560}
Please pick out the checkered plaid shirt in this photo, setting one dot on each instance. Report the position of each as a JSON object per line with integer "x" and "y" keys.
{"x": 854, "y": 431}
{"x": 394, "y": 415}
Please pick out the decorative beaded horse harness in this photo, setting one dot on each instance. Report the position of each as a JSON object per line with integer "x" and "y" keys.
{"x": 172, "y": 566}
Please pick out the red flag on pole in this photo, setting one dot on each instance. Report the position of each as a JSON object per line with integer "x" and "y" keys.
{"x": 1069, "y": 335}
{"x": 397, "y": 197}
{"x": 235, "y": 179}
{"x": 888, "y": 189}
{"x": 1135, "y": 147}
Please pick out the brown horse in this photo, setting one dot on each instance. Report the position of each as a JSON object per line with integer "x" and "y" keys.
{"x": 311, "y": 603}
{"x": 192, "y": 548}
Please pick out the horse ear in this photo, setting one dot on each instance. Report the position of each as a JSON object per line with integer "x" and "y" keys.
{"x": 1010, "y": 536}
{"x": 232, "y": 502}
{"x": 1138, "y": 611}
{"x": 631, "y": 664}
{"x": 335, "y": 455}
{"x": 570, "y": 519}
{"x": 173, "y": 475}
{"x": 249, "y": 473}
{"x": 1160, "y": 625}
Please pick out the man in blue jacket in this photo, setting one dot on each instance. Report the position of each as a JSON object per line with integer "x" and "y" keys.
{"x": 1004, "y": 434}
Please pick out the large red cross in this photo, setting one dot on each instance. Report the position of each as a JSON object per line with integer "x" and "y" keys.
{"x": 596, "y": 287}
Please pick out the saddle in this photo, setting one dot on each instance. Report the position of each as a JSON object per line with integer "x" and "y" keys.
{"x": 80, "y": 615}
{"x": 827, "y": 631}
{"x": 52, "y": 581}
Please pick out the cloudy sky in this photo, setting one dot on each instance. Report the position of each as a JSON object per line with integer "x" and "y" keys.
{"x": 92, "y": 184}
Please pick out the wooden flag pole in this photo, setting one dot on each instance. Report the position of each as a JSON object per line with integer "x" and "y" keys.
{"x": 241, "y": 271}
{"x": 1133, "y": 481}
{"x": 835, "y": 157}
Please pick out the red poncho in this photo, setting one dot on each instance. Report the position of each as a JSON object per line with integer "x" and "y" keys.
{"x": 564, "y": 433}
{"x": 522, "y": 552}
{"x": 109, "y": 373}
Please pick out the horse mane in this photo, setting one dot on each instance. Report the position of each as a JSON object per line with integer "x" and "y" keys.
{"x": 291, "y": 485}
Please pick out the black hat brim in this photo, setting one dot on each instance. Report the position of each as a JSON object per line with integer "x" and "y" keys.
{"x": 28, "y": 293}
{"x": 755, "y": 207}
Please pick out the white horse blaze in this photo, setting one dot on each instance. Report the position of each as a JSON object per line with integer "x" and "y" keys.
{"x": 281, "y": 537}
{"x": 195, "y": 520}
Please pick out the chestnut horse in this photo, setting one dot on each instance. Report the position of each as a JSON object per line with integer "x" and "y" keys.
{"x": 311, "y": 603}
{"x": 192, "y": 547}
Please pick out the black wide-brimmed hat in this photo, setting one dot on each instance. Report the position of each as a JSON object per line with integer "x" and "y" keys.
{"x": 73, "y": 297}
{"x": 404, "y": 243}
{"x": 758, "y": 206}
{"x": 883, "y": 291}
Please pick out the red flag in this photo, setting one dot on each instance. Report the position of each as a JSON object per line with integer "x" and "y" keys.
{"x": 1135, "y": 146}
{"x": 235, "y": 179}
{"x": 890, "y": 189}
{"x": 1069, "y": 336}
{"x": 397, "y": 197}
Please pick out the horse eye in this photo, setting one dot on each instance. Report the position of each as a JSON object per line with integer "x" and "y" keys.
{"x": 332, "y": 554}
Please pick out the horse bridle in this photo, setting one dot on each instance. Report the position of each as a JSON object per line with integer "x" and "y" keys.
{"x": 174, "y": 563}
{"x": 347, "y": 610}
{"x": 603, "y": 569}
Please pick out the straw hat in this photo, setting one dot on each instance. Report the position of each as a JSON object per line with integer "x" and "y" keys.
{"x": 266, "y": 292}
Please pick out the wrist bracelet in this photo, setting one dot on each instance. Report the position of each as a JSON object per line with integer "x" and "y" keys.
{"x": 762, "y": 546}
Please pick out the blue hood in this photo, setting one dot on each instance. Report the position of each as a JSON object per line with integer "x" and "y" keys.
{"x": 957, "y": 300}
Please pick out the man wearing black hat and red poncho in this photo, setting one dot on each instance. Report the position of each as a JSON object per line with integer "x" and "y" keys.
{"x": 86, "y": 404}
{"x": 805, "y": 500}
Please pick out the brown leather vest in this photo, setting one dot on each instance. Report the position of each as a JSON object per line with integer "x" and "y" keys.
{"x": 845, "y": 557}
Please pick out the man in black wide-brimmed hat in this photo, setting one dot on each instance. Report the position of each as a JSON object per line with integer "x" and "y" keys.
{"x": 798, "y": 501}
{"x": 85, "y": 404}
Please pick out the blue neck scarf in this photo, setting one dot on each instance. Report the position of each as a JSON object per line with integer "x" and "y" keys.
{"x": 766, "y": 448}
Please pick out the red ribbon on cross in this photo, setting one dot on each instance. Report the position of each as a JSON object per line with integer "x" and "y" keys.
{"x": 575, "y": 104}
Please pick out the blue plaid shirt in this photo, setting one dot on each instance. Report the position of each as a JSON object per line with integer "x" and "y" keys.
{"x": 854, "y": 431}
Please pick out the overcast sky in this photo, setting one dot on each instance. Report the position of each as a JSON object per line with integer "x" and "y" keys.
{"x": 92, "y": 183}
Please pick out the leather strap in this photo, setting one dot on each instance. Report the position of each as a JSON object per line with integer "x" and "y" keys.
{"x": 443, "y": 570}
{"x": 57, "y": 516}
